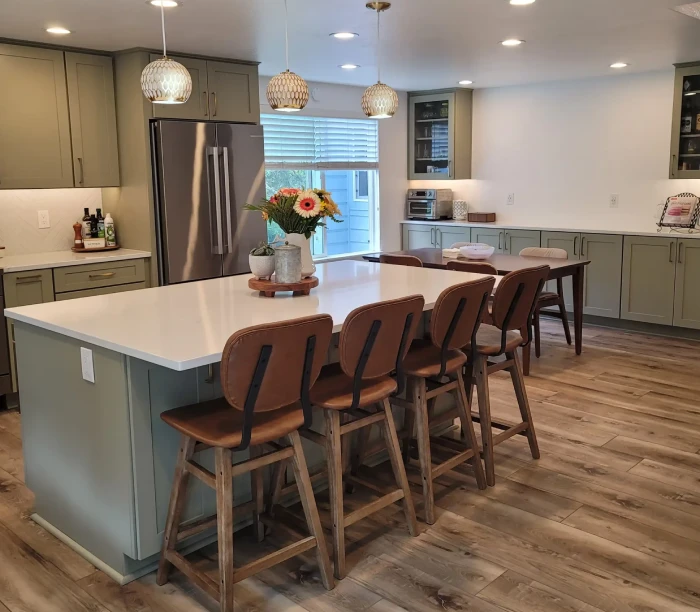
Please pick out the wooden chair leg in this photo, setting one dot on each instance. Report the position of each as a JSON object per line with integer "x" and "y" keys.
{"x": 465, "y": 417}
{"x": 424, "y": 455}
{"x": 538, "y": 339}
{"x": 523, "y": 403}
{"x": 482, "y": 389}
{"x": 258, "y": 492}
{"x": 527, "y": 350}
{"x": 178, "y": 496}
{"x": 361, "y": 443}
{"x": 565, "y": 321}
{"x": 224, "y": 513}
{"x": 308, "y": 502}
{"x": 335, "y": 482}
{"x": 392, "y": 444}
{"x": 409, "y": 423}
{"x": 276, "y": 484}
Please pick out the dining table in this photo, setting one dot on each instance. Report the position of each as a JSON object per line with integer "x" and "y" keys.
{"x": 558, "y": 268}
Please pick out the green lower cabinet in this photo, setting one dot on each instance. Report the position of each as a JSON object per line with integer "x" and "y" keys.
{"x": 686, "y": 312}
{"x": 447, "y": 236}
{"x": 603, "y": 276}
{"x": 491, "y": 236}
{"x": 418, "y": 236}
{"x": 571, "y": 243}
{"x": 648, "y": 279}
{"x": 517, "y": 240}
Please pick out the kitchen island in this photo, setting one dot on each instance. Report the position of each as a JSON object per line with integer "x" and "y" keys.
{"x": 98, "y": 458}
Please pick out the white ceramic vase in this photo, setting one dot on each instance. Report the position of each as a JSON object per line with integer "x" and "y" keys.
{"x": 307, "y": 263}
{"x": 262, "y": 266}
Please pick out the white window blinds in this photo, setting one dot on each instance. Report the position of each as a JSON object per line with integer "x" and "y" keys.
{"x": 320, "y": 143}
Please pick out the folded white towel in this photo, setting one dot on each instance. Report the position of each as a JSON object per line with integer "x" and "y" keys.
{"x": 451, "y": 253}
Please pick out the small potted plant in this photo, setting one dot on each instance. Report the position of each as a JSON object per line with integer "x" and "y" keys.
{"x": 262, "y": 261}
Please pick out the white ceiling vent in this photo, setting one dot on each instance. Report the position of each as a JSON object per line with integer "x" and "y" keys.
{"x": 692, "y": 10}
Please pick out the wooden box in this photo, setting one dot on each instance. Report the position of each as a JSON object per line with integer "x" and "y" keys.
{"x": 481, "y": 217}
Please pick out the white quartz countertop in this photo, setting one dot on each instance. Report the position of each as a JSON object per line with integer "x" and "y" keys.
{"x": 619, "y": 232}
{"x": 59, "y": 259}
{"x": 186, "y": 326}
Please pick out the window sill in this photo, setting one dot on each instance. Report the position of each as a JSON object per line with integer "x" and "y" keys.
{"x": 343, "y": 256}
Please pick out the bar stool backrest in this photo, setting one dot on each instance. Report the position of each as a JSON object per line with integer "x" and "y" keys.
{"x": 479, "y": 267}
{"x": 268, "y": 367}
{"x": 457, "y": 315}
{"x": 515, "y": 299}
{"x": 401, "y": 260}
{"x": 375, "y": 339}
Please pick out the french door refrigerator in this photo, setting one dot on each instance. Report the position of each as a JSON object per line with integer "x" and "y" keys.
{"x": 204, "y": 174}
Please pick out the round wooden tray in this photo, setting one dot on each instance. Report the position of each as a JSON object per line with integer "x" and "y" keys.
{"x": 105, "y": 248}
{"x": 268, "y": 288}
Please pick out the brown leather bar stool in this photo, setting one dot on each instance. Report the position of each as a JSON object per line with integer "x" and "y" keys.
{"x": 455, "y": 321}
{"x": 266, "y": 376}
{"x": 514, "y": 303}
{"x": 373, "y": 344}
{"x": 479, "y": 267}
{"x": 401, "y": 260}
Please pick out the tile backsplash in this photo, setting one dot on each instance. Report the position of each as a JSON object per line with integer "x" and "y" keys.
{"x": 19, "y": 227}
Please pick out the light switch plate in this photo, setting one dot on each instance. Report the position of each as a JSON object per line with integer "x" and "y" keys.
{"x": 44, "y": 221}
{"x": 87, "y": 364}
{"x": 614, "y": 201}
{"x": 511, "y": 199}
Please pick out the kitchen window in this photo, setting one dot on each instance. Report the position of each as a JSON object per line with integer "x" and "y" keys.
{"x": 338, "y": 155}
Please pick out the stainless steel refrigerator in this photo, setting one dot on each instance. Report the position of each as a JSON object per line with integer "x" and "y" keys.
{"x": 204, "y": 174}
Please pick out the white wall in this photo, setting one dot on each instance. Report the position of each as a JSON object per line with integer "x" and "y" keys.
{"x": 330, "y": 100}
{"x": 564, "y": 148}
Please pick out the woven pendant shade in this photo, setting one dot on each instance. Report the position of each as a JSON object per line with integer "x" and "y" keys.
{"x": 287, "y": 92}
{"x": 380, "y": 101}
{"x": 166, "y": 81}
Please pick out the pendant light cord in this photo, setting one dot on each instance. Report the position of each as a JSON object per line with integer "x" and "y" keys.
{"x": 379, "y": 79}
{"x": 286, "y": 33}
{"x": 162, "y": 23}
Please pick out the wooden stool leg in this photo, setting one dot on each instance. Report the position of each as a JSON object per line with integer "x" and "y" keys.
{"x": 360, "y": 448}
{"x": 423, "y": 439}
{"x": 482, "y": 389}
{"x": 258, "y": 492}
{"x": 527, "y": 350}
{"x": 224, "y": 513}
{"x": 538, "y": 339}
{"x": 276, "y": 484}
{"x": 178, "y": 496}
{"x": 465, "y": 416}
{"x": 335, "y": 482}
{"x": 308, "y": 502}
{"x": 523, "y": 403}
{"x": 409, "y": 423}
{"x": 392, "y": 443}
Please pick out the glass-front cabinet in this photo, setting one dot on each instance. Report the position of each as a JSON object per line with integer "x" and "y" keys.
{"x": 685, "y": 140}
{"x": 440, "y": 135}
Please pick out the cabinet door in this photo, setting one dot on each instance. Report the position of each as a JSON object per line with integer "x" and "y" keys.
{"x": 418, "y": 236}
{"x": 571, "y": 243}
{"x": 233, "y": 92}
{"x": 602, "y": 283}
{"x": 27, "y": 288}
{"x": 34, "y": 124}
{"x": 517, "y": 240}
{"x": 486, "y": 235}
{"x": 93, "y": 120}
{"x": 686, "y": 312}
{"x": 197, "y": 107}
{"x": 648, "y": 279}
{"x": 431, "y": 136}
{"x": 447, "y": 236}
{"x": 685, "y": 135}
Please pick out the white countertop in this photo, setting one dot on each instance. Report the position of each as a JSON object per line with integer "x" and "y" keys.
{"x": 186, "y": 326}
{"x": 59, "y": 259}
{"x": 619, "y": 232}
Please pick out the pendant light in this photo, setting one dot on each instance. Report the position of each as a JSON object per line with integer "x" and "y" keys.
{"x": 287, "y": 92}
{"x": 166, "y": 81}
{"x": 379, "y": 101}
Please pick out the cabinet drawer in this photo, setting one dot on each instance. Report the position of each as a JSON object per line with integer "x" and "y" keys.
{"x": 80, "y": 278}
{"x": 74, "y": 295}
{"x": 27, "y": 288}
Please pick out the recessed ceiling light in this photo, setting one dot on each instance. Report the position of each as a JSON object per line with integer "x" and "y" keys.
{"x": 344, "y": 35}
{"x": 466, "y": 82}
{"x": 512, "y": 42}
{"x": 57, "y": 30}
{"x": 349, "y": 66}
{"x": 619, "y": 65}
{"x": 164, "y": 3}
{"x": 521, "y": 2}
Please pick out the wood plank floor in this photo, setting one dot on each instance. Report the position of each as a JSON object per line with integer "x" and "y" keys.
{"x": 608, "y": 520}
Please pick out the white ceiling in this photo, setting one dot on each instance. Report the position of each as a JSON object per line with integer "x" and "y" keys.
{"x": 425, "y": 43}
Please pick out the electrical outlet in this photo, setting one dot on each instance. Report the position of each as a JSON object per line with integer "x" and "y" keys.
{"x": 614, "y": 201}
{"x": 44, "y": 221}
{"x": 511, "y": 199}
{"x": 87, "y": 365}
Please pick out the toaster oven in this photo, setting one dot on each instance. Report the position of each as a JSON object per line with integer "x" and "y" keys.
{"x": 431, "y": 204}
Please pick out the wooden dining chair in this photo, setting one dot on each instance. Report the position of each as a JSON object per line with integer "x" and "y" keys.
{"x": 514, "y": 303}
{"x": 354, "y": 395}
{"x": 549, "y": 298}
{"x": 479, "y": 267}
{"x": 267, "y": 373}
{"x": 434, "y": 367}
{"x": 400, "y": 260}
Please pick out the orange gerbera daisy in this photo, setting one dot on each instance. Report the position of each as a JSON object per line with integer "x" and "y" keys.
{"x": 308, "y": 204}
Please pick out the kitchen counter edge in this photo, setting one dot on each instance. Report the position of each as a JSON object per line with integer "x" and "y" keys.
{"x": 61, "y": 259}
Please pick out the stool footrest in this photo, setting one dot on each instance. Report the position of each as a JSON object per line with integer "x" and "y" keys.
{"x": 201, "y": 473}
{"x": 203, "y": 581}
{"x": 373, "y": 506}
{"x": 452, "y": 463}
{"x": 442, "y": 388}
{"x": 364, "y": 421}
{"x": 196, "y": 527}
{"x": 274, "y": 558}
{"x": 509, "y": 433}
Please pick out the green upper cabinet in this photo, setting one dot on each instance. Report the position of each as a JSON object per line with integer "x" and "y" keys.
{"x": 440, "y": 135}
{"x": 34, "y": 125}
{"x": 685, "y": 135}
{"x": 197, "y": 107}
{"x": 93, "y": 120}
{"x": 233, "y": 92}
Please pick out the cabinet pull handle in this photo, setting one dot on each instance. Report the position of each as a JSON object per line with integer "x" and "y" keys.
{"x": 438, "y": 231}
{"x": 206, "y": 103}
{"x": 26, "y": 278}
{"x": 673, "y": 165}
{"x": 583, "y": 247}
{"x": 215, "y": 104}
{"x": 103, "y": 275}
{"x": 210, "y": 374}
{"x": 575, "y": 245}
{"x": 82, "y": 171}
{"x": 499, "y": 240}
{"x": 432, "y": 236}
{"x": 449, "y": 168}
{"x": 680, "y": 252}
{"x": 671, "y": 252}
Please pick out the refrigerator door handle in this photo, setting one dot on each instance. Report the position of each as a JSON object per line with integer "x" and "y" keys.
{"x": 227, "y": 193}
{"x": 217, "y": 248}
